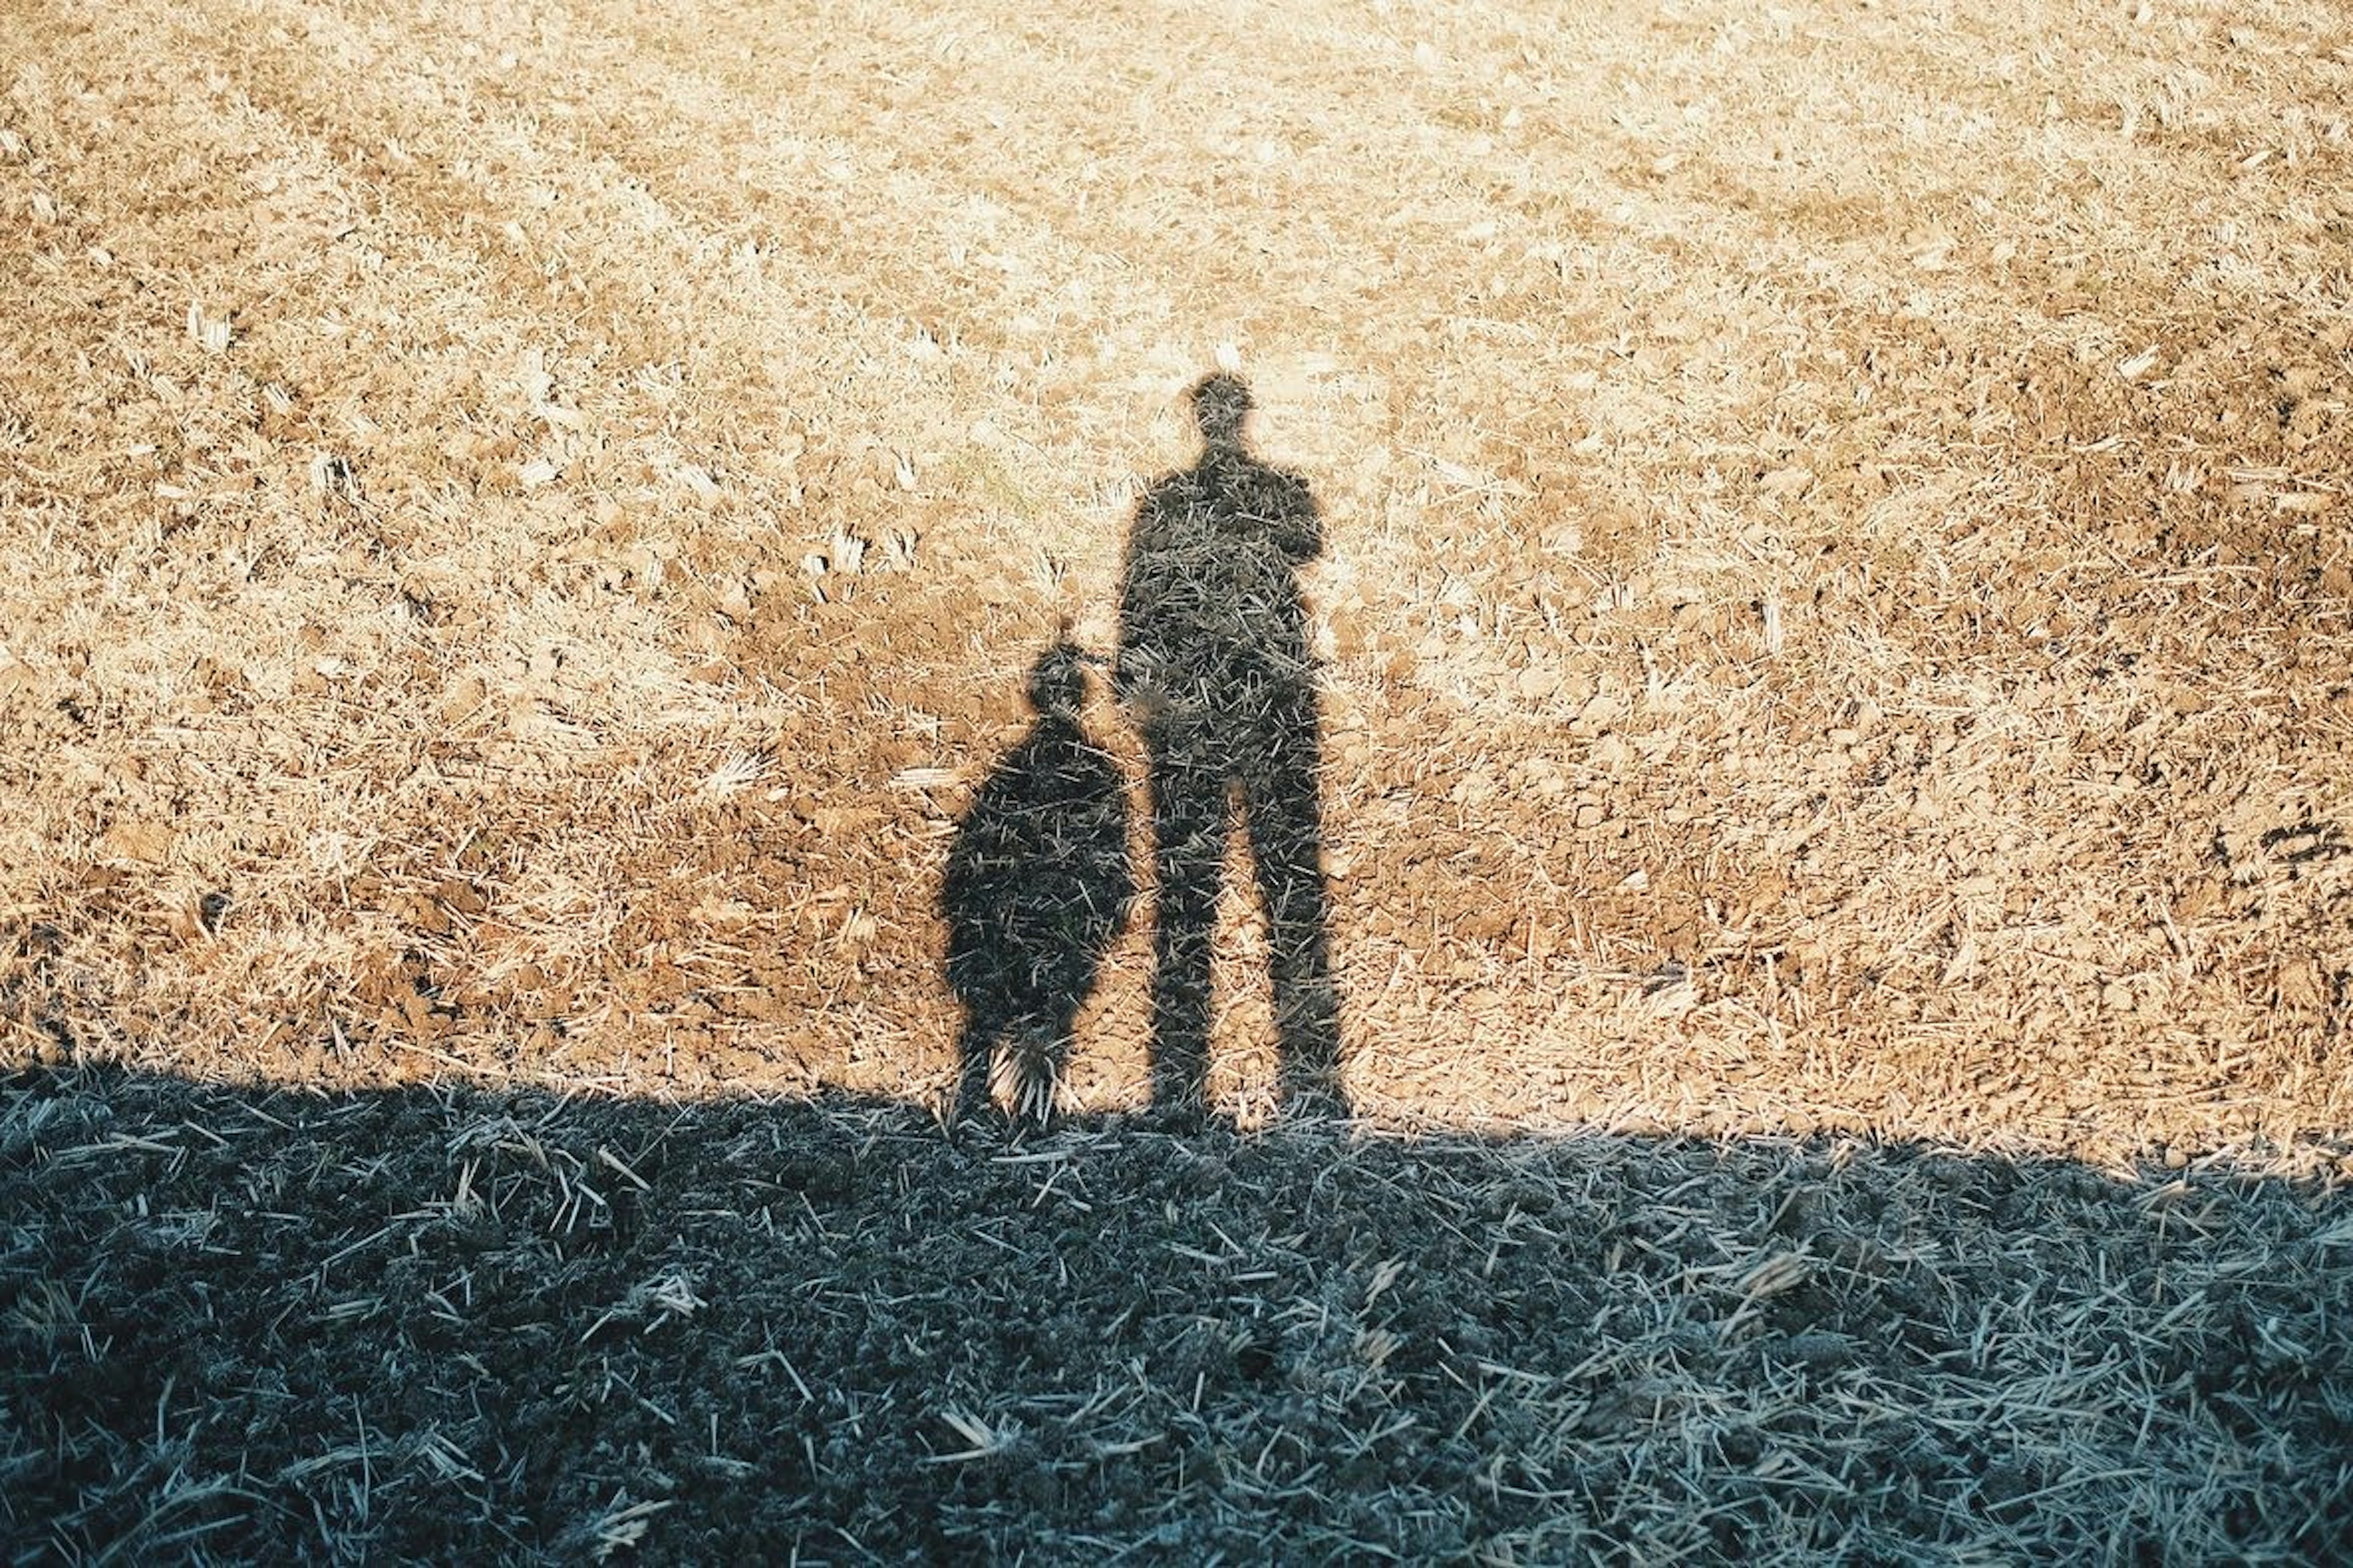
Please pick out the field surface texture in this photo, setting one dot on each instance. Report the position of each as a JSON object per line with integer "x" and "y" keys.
{"x": 439, "y": 1325}
{"x": 584, "y": 585}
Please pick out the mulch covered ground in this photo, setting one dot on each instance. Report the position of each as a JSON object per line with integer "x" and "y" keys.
{"x": 254, "y": 1322}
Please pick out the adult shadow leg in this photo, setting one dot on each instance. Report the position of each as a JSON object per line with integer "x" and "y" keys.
{"x": 1041, "y": 1064}
{"x": 975, "y": 1050}
{"x": 1188, "y": 821}
{"x": 1284, "y": 811}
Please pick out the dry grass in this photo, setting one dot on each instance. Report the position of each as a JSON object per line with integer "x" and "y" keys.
{"x": 520, "y": 528}
{"x": 1837, "y": 604}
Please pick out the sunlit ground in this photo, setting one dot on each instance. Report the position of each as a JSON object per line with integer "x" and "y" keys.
{"x": 525, "y": 526}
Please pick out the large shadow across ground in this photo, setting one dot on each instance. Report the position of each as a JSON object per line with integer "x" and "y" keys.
{"x": 256, "y": 1323}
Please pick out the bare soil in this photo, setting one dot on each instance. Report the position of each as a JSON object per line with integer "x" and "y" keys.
{"x": 523, "y": 533}
{"x": 526, "y": 526}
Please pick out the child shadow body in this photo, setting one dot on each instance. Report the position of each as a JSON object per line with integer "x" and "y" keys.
{"x": 1038, "y": 884}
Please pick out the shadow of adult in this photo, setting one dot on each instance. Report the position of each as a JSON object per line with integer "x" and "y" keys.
{"x": 1038, "y": 885}
{"x": 1214, "y": 665}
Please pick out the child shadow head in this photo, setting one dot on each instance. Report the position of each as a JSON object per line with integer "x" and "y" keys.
{"x": 1057, "y": 682}
{"x": 1038, "y": 884}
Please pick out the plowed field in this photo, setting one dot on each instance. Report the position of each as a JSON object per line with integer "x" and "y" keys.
{"x": 525, "y": 528}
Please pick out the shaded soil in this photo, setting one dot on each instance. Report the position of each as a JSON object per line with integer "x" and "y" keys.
{"x": 257, "y": 1323}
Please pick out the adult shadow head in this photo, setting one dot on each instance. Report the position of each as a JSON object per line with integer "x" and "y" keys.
{"x": 1038, "y": 885}
{"x": 1214, "y": 663}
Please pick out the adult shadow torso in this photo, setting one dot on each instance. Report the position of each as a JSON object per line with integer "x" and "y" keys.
{"x": 1214, "y": 663}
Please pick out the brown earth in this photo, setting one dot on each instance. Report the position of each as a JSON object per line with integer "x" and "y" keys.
{"x": 522, "y": 528}
{"x": 525, "y": 523}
